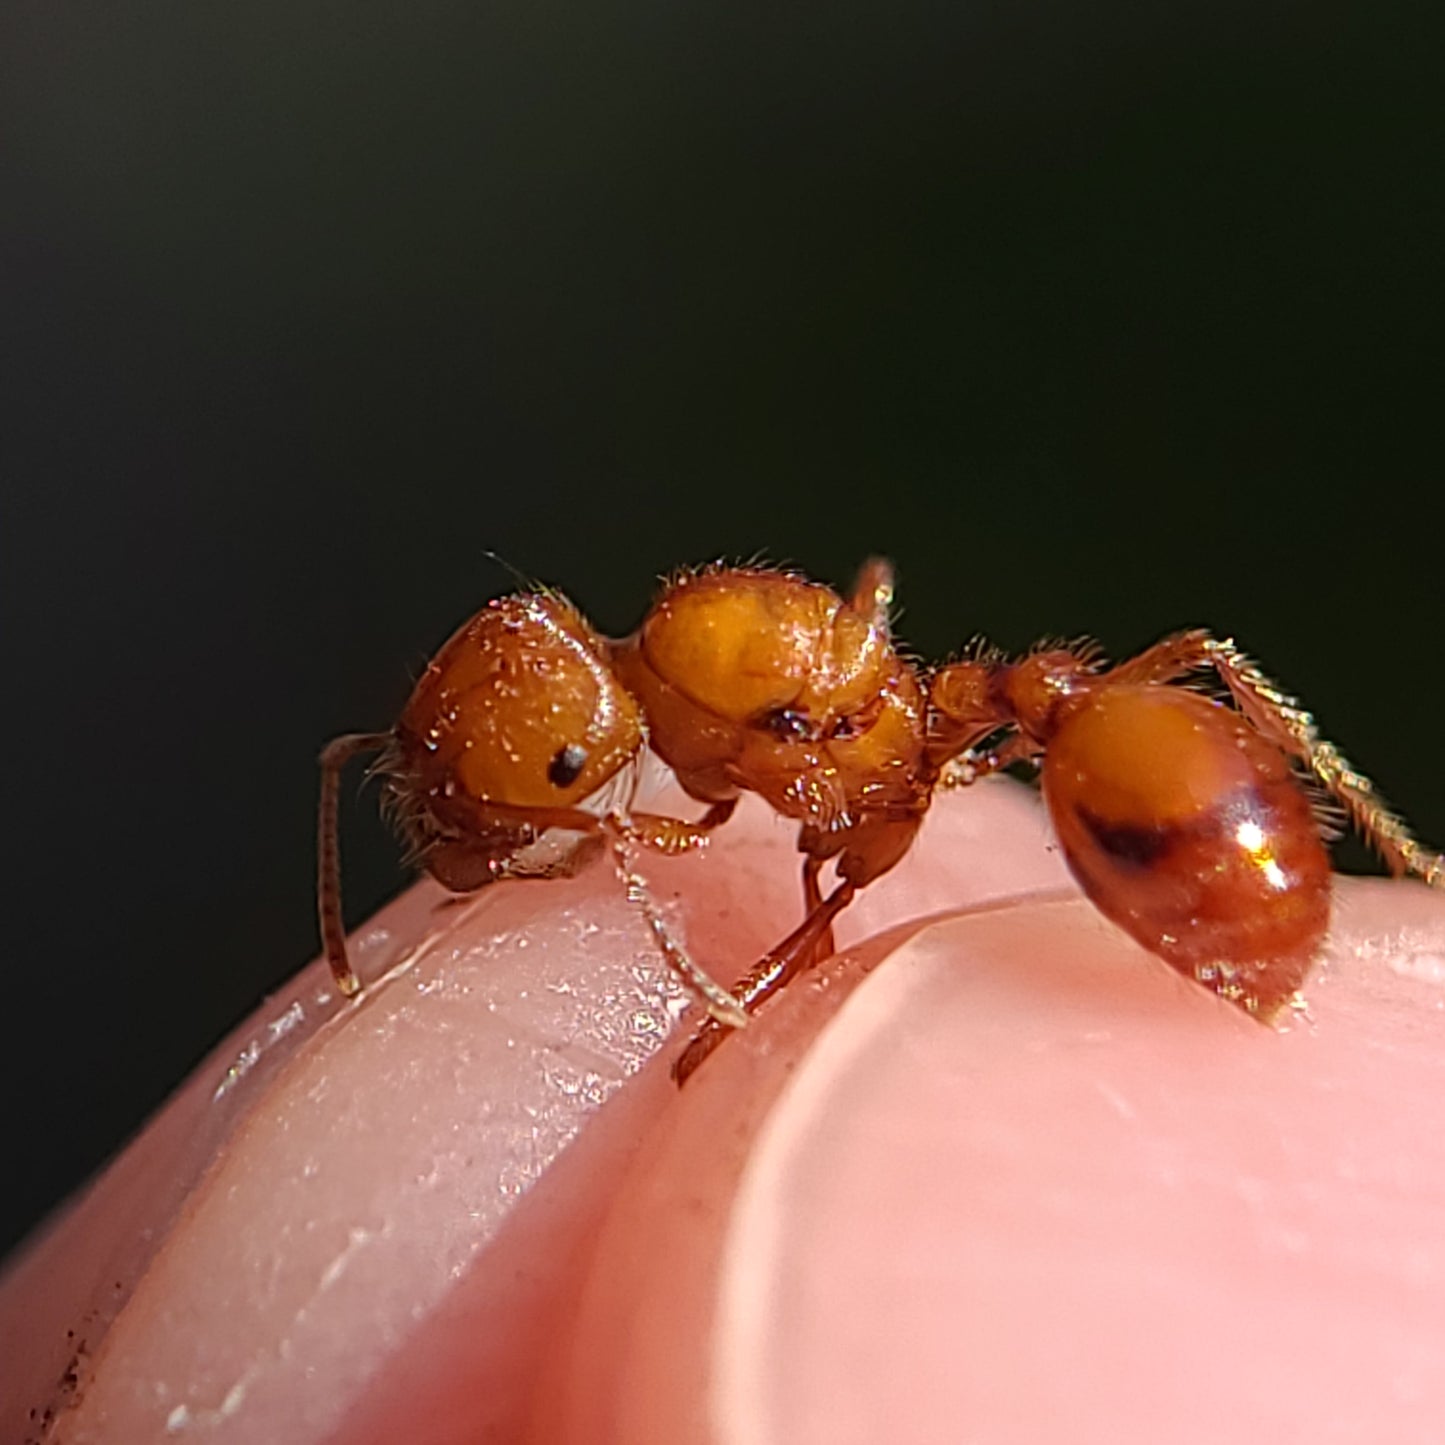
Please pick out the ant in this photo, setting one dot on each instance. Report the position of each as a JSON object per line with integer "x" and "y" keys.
{"x": 1183, "y": 819}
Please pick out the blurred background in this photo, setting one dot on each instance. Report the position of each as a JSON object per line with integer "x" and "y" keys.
{"x": 1105, "y": 317}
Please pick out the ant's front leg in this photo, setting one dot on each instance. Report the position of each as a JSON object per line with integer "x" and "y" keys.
{"x": 621, "y": 835}
{"x": 671, "y": 837}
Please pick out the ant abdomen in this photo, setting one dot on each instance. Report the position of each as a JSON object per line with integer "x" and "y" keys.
{"x": 1190, "y": 830}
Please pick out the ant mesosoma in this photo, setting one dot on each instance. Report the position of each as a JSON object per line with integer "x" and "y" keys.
{"x": 1180, "y": 816}
{"x": 755, "y": 680}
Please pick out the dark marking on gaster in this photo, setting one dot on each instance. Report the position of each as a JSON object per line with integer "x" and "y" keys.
{"x": 1133, "y": 844}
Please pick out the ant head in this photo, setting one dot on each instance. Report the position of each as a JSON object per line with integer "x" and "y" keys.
{"x": 521, "y": 708}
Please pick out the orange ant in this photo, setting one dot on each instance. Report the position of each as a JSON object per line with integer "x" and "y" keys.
{"x": 514, "y": 758}
{"x": 1180, "y": 817}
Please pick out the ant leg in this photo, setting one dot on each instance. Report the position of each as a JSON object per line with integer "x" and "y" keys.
{"x": 1166, "y": 660}
{"x": 813, "y": 900}
{"x": 766, "y": 977}
{"x": 1279, "y": 717}
{"x": 672, "y": 836}
{"x": 334, "y": 757}
{"x": 654, "y": 831}
{"x": 721, "y": 1005}
{"x": 464, "y": 865}
{"x": 618, "y": 830}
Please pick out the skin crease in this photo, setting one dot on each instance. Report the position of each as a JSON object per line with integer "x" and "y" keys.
{"x": 998, "y": 1177}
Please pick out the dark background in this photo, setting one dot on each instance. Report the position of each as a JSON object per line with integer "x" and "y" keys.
{"x": 1107, "y": 317}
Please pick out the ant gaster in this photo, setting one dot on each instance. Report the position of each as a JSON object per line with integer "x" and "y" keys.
{"x": 1182, "y": 818}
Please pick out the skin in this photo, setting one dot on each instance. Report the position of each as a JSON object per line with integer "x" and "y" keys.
{"x": 1001, "y": 1176}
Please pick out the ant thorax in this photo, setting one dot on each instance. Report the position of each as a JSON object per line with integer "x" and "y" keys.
{"x": 760, "y": 681}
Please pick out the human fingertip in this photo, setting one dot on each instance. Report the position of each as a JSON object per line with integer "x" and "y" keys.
{"x": 1010, "y": 1183}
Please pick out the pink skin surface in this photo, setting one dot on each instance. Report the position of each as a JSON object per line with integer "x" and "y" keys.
{"x": 993, "y": 1174}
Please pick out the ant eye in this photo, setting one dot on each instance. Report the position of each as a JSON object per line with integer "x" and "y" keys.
{"x": 566, "y": 766}
{"x": 786, "y": 723}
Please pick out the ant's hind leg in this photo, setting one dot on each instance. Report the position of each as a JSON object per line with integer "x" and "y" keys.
{"x": 825, "y": 947}
{"x": 1167, "y": 660}
{"x": 780, "y": 966}
{"x": 1281, "y": 719}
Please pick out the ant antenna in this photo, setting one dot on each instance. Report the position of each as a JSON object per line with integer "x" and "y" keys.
{"x": 334, "y": 757}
